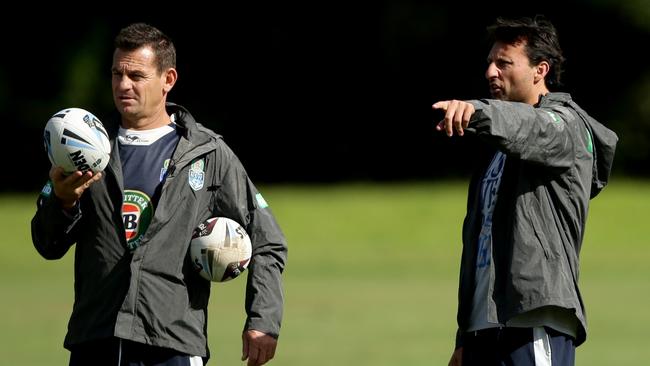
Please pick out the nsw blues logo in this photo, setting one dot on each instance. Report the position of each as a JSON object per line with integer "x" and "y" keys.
{"x": 47, "y": 189}
{"x": 196, "y": 175}
{"x": 137, "y": 211}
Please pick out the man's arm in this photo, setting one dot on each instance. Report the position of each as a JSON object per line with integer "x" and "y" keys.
{"x": 537, "y": 135}
{"x": 239, "y": 199}
{"x": 58, "y": 211}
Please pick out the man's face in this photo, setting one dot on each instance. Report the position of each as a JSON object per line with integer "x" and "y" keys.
{"x": 138, "y": 88}
{"x": 510, "y": 74}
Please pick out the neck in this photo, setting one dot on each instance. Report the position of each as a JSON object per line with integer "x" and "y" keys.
{"x": 159, "y": 119}
{"x": 538, "y": 89}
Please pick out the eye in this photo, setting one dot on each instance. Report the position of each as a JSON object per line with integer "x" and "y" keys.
{"x": 136, "y": 76}
{"x": 502, "y": 64}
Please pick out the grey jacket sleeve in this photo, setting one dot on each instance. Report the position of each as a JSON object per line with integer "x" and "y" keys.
{"x": 52, "y": 228}
{"x": 264, "y": 291}
{"x": 537, "y": 135}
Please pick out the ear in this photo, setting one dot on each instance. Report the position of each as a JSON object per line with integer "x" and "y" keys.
{"x": 170, "y": 77}
{"x": 541, "y": 70}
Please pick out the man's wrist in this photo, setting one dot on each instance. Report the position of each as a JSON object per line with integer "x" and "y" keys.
{"x": 68, "y": 206}
{"x": 70, "y": 210}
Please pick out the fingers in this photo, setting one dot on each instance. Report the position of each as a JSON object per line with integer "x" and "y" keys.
{"x": 77, "y": 179}
{"x": 69, "y": 188}
{"x": 81, "y": 182}
{"x": 57, "y": 174}
{"x": 454, "y": 118}
{"x": 254, "y": 357}
{"x": 258, "y": 347}
{"x": 467, "y": 115}
{"x": 91, "y": 178}
{"x": 457, "y": 116}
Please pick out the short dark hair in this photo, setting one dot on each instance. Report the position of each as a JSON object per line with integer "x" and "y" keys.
{"x": 139, "y": 35}
{"x": 542, "y": 43}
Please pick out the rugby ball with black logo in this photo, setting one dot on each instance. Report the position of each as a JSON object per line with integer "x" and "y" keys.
{"x": 76, "y": 140}
{"x": 220, "y": 249}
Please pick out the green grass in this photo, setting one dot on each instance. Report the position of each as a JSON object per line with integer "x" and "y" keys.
{"x": 371, "y": 279}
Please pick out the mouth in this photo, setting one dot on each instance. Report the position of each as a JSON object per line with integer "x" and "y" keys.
{"x": 125, "y": 99}
{"x": 495, "y": 89}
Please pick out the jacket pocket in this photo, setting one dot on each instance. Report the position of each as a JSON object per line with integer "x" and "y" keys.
{"x": 536, "y": 213}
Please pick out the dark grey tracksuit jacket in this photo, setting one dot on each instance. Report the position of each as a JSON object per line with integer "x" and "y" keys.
{"x": 558, "y": 157}
{"x": 152, "y": 295}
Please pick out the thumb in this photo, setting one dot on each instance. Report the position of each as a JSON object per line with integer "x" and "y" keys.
{"x": 440, "y": 126}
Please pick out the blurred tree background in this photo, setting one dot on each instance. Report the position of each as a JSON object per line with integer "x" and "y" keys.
{"x": 321, "y": 92}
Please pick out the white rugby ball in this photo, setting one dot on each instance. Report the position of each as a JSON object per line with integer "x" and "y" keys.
{"x": 220, "y": 249}
{"x": 76, "y": 140}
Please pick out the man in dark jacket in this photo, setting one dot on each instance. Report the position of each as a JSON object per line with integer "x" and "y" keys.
{"x": 138, "y": 299}
{"x": 519, "y": 302}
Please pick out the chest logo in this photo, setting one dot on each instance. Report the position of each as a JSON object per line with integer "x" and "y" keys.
{"x": 196, "y": 176}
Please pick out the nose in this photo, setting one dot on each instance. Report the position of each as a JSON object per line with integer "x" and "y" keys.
{"x": 492, "y": 71}
{"x": 122, "y": 82}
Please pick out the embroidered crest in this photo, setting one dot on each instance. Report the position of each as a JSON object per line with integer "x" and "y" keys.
{"x": 196, "y": 175}
{"x": 47, "y": 189}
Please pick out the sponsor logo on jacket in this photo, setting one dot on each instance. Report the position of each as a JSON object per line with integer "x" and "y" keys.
{"x": 137, "y": 212}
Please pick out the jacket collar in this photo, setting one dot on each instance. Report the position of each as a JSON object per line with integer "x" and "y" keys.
{"x": 553, "y": 98}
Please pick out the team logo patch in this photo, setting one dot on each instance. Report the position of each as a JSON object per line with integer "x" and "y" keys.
{"x": 137, "y": 212}
{"x": 47, "y": 189}
{"x": 196, "y": 176}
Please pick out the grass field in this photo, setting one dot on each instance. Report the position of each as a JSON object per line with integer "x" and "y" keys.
{"x": 371, "y": 279}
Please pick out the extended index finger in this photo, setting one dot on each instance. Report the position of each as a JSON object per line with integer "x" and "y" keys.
{"x": 444, "y": 104}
